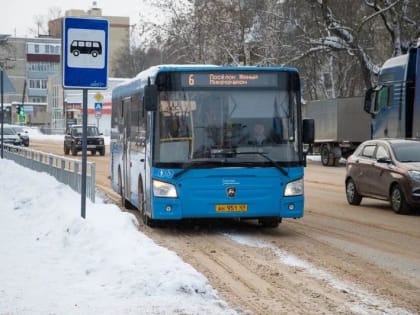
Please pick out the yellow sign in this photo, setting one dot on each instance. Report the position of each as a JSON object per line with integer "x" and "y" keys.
{"x": 98, "y": 97}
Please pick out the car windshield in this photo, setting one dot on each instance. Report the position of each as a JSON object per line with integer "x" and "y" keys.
{"x": 8, "y": 131}
{"x": 18, "y": 129}
{"x": 407, "y": 151}
{"x": 91, "y": 131}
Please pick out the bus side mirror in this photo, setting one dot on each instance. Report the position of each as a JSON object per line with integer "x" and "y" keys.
{"x": 308, "y": 132}
{"x": 150, "y": 97}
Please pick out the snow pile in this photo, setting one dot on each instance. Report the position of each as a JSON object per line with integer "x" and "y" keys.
{"x": 55, "y": 262}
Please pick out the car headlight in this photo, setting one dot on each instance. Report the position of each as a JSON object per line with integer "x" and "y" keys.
{"x": 415, "y": 175}
{"x": 163, "y": 189}
{"x": 294, "y": 188}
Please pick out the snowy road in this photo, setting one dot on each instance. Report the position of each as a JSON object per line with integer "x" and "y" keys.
{"x": 338, "y": 259}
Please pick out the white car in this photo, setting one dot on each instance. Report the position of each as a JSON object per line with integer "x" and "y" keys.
{"x": 10, "y": 136}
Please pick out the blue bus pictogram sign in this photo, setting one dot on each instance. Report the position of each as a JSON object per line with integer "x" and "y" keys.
{"x": 85, "y": 53}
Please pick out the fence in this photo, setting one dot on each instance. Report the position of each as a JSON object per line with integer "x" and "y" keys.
{"x": 65, "y": 170}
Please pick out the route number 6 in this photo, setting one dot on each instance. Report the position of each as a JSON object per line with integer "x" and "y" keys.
{"x": 191, "y": 80}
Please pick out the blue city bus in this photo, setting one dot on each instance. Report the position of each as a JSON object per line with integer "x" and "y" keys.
{"x": 203, "y": 141}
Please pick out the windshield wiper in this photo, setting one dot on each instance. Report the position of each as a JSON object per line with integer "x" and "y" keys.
{"x": 228, "y": 153}
{"x": 207, "y": 163}
{"x": 274, "y": 163}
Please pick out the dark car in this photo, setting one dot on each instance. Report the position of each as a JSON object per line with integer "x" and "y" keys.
{"x": 73, "y": 140}
{"x": 10, "y": 136}
{"x": 387, "y": 169}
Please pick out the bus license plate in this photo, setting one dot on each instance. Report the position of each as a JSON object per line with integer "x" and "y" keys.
{"x": 231, "y": 207}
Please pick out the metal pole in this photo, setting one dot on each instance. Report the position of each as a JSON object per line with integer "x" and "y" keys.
{"x": 84, "y": 152}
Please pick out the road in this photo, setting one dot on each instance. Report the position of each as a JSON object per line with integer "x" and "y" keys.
{"x": 337, "y": 259}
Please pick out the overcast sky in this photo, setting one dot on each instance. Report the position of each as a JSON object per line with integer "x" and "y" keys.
{"x": 18, "y": 16}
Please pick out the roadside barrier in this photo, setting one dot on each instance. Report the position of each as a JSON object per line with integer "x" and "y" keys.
{"x": 66, "y": 170}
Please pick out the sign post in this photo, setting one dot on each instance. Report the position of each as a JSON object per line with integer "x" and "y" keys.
{"x": 5, "y": 87}
{"x": 85, "y": 66}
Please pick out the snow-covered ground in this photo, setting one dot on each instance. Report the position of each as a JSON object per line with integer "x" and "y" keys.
{"x": 54, "y": 262}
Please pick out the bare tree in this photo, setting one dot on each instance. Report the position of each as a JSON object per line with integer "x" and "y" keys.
{"x": 338, "y": 46}
{"x": 41, "y": 21}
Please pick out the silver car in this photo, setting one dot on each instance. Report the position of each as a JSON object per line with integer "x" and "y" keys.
{"x": 10, "y": 136}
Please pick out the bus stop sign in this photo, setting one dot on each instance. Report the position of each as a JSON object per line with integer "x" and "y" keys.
{"x": 85, "y": 53}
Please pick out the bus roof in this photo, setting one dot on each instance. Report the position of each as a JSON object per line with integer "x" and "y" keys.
{"x": 152, "y": 72}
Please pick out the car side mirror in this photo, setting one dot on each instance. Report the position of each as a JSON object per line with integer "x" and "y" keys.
{"x": 386, "y": 160}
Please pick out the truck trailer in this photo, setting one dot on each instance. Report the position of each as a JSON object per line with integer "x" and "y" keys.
{"x": 340, "y": 126}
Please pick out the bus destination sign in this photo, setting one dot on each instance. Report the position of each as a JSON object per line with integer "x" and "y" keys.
{"x": 229, "y": 79}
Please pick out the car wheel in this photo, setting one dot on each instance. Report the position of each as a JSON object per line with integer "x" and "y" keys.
{"x": 102, "y": 152}
{"x": 398, "y": 202}
{"x": 73, "y": 151}
{"x": 66, "y": 150}
{"x": 353, "y": 196}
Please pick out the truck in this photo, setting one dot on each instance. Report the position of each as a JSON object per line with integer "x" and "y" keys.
{"x": 394, "y": 104}
{"x": 340, "y": 126}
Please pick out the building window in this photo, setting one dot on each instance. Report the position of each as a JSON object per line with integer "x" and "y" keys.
{"x": 38, "y": 84}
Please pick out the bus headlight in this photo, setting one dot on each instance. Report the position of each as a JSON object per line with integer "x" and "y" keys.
{"x": 294, "y": 188}
{"x": 163, "y": 189}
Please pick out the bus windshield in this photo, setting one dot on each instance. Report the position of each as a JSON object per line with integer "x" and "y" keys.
{"x": 236, "y": 125}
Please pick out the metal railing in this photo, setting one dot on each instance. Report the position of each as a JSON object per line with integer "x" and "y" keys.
{"x": 65, "y": 170}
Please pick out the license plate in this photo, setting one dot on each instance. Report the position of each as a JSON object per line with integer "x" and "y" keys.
{"x": 231, "y": 207}
{"x": 91, "y": 146}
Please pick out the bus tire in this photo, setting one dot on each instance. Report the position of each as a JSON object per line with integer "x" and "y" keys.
{"x": 142, "y": 207}
{"x": 270, "y": 222}
{"x": 120, "y": 189}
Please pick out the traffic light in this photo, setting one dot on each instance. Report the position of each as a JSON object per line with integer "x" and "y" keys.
{"x": 20, "y": 110}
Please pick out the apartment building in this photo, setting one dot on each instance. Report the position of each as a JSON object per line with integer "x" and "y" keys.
{"x": 34, "y": 68}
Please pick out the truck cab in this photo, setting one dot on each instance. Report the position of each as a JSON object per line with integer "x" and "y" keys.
{"x": 394, "y": 103}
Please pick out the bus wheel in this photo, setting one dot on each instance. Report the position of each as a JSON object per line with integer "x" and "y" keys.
{"x": 270, "y": 222}
{"x": 120, "y": 189}
{"x": 142, "y": 207}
